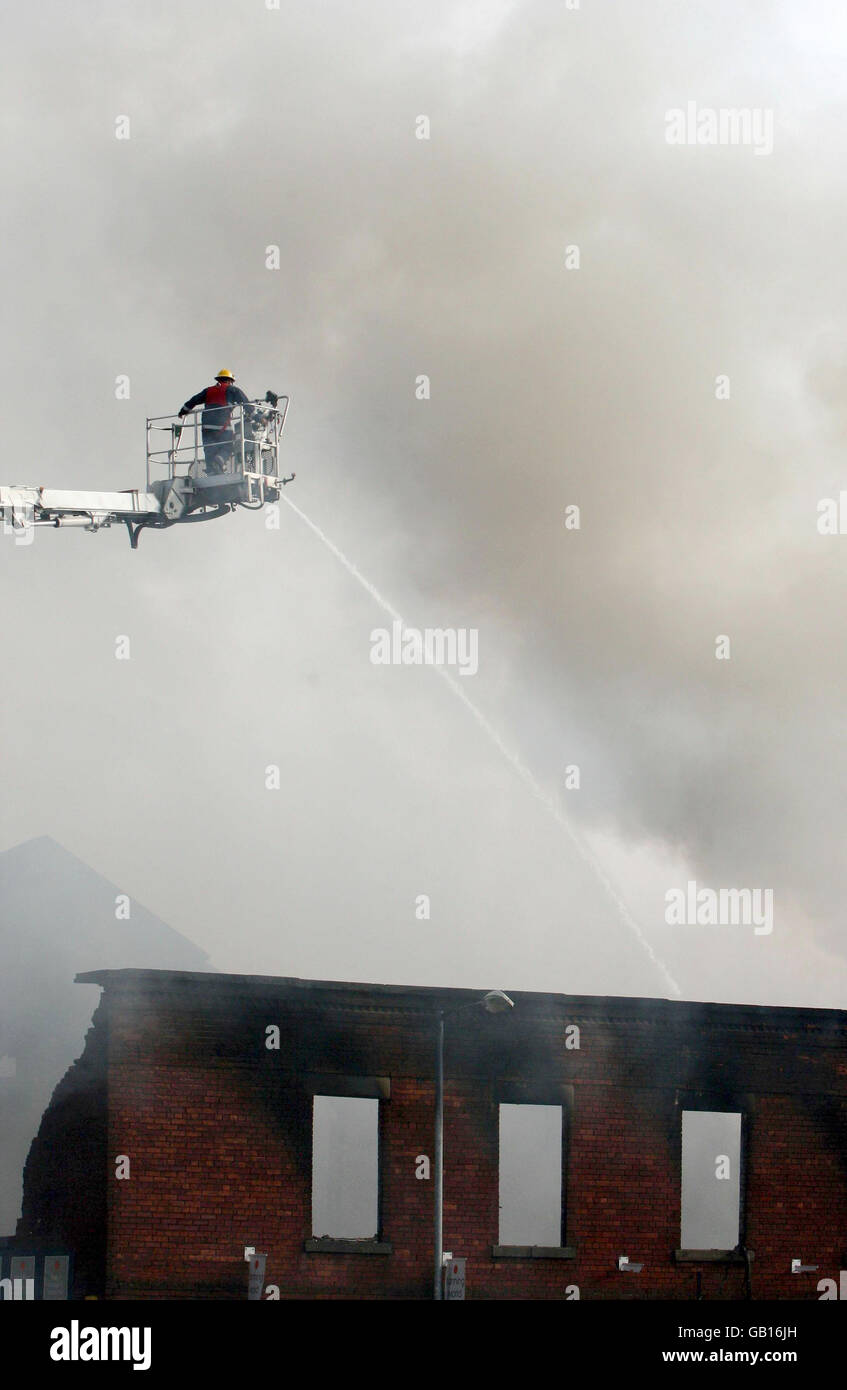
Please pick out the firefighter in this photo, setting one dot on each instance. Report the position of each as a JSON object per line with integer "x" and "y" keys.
{"x": 218, "y": 402}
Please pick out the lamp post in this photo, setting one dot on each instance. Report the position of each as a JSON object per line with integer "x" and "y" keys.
{"x": 494, "y": 1002}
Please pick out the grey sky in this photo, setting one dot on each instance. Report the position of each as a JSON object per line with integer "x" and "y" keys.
{"x": 399, "y": 257}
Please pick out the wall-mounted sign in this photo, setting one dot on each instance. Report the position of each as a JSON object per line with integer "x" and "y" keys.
{"x": 256, "y": 1278}
{"x": 454, "y": 1279}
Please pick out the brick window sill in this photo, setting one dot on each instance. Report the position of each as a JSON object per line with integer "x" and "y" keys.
{"x": 534, "y": 1252}
{"x": 709, "y": 1257}
{"x": 325, "y": 1245}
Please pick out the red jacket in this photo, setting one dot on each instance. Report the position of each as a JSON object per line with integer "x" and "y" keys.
{"x": 217, "y": 402}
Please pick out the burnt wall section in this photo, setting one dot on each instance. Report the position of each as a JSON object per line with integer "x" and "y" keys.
{"x": 65, "y": 1175}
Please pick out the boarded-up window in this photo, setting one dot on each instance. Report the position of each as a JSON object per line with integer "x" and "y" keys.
{"x": 711, "y": 1179}
{"x": 345, "y": 1168}
{"x": 531, "y": 1175}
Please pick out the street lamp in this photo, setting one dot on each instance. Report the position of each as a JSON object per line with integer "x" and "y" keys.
{"x": 494, "y": 1002}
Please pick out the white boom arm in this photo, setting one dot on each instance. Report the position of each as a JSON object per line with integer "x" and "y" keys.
{"x": 56, "y": 507}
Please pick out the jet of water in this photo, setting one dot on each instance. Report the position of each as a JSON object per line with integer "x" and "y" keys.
{"x": 513, "y": 759}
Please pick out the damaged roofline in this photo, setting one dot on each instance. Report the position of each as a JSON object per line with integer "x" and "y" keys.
{"x": 343, "y": 992}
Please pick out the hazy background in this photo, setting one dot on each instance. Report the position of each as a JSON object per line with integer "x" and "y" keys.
{"x": 596, "y": 386}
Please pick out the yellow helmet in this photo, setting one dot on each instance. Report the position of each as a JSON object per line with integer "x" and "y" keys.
{"x": 224, "y": 375}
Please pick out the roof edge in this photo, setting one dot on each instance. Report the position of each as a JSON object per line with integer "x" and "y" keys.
{"x": 362, "y": 991}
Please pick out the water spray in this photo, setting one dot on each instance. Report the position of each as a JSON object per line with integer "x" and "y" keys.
{"x": 512, "y": 758}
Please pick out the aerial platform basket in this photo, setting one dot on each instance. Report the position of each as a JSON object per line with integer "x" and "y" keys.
{"x": 183, "y": 484}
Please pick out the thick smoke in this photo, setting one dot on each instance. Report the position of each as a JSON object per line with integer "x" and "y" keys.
{"x": 549, "y": 387}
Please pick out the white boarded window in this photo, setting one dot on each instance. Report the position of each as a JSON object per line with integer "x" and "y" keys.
{"x": 345, "y": 1168}
{"x": 531, "y": 1175}
{"x": 711, "y": 1179}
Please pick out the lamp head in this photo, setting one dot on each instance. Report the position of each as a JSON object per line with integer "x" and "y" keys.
{"x": 496, "y": 1002}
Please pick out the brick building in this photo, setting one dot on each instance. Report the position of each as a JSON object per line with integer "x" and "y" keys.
{"x": 185, "y": 1130}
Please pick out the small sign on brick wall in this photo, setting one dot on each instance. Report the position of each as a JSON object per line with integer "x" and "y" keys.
{"x": 256, "y": 1279}
{"x": 56, "y": 1276}
{"x": 454, "y": 1279}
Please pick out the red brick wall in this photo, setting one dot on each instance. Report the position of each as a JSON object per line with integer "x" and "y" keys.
{"x": 218, "y": 1133}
